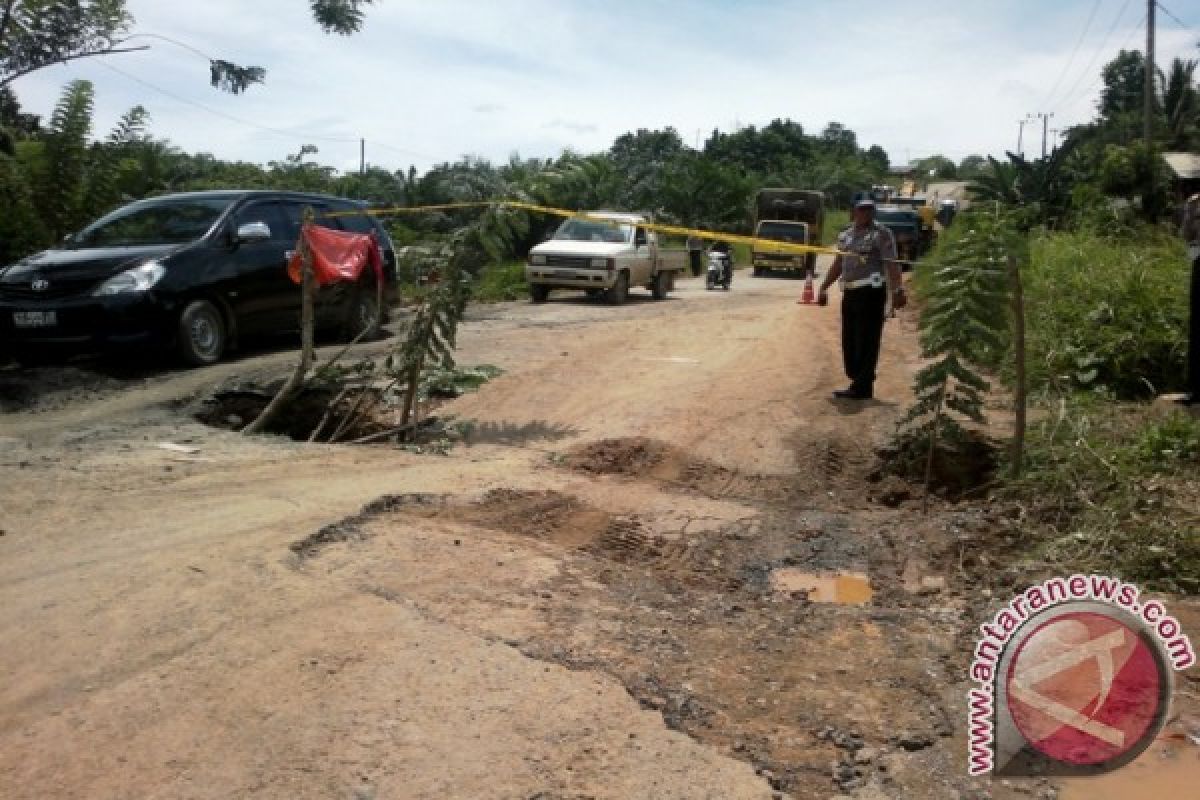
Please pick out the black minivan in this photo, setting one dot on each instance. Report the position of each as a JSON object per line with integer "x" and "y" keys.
{"x": 193, "y": 271}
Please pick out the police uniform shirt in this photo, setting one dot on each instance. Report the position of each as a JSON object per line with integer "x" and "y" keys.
{"x": 864, "y": 251}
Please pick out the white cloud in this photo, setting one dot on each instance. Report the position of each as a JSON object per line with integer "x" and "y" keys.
{"x": 427, "y": 82}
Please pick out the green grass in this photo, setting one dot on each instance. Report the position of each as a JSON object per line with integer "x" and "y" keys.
{"x": 1102, "y": 312}
{"x": 1109, "y": 483}
{"x": 1108, "y": 313}
{"x": 498, "y": 283}
{"x": 742, "y": 257}
{"x": 835, "y": 220}
{"x": 1112, "y": 488}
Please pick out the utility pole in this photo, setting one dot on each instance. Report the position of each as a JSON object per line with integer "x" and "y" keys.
{"x": 1021, "y": 134}
{"x": 1148, "y": 99}
{"x": 1045, "y": 130}
{"x": 1148, "y": 205}
{"x": 362, "y": 156}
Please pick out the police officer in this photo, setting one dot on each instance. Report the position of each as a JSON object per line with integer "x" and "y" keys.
{"x": 866, "y": 264}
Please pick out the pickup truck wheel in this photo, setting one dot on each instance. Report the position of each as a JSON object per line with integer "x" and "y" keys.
{"x": 538, "y": 292}
{"x": 758, "y": 272}
{"x": 619, "y": 292}
{"x": 201, "y": 333}
{"x": 661, "y": 282}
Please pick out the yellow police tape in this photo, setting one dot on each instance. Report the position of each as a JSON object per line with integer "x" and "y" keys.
{"x": 772, "y": 245}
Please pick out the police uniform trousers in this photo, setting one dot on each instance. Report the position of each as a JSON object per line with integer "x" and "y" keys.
{"x": 862, "y": 331}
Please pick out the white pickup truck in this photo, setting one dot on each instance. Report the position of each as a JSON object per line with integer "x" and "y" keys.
{"x": 603, "y": 254}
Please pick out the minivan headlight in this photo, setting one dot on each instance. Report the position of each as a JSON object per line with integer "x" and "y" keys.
{"x": 138, "y": 279}
{"x": 537, "y": 259}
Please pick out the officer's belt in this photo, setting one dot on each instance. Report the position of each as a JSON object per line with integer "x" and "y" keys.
{"x": 875, "y": 282}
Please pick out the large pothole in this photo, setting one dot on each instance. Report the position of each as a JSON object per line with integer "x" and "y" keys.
{"x": 721, "y": 629}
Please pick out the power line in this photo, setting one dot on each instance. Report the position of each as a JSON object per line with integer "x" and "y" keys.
{"x": 1074, "y": 52}
{"x": 1100, "y": 79}
{"x": 1174, "y": 18}
{"x": 175, "y": 42}
{"x": 1088, "y": 69}
{"x": 294, "y": 135}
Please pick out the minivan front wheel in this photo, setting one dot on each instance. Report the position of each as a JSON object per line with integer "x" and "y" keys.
{"x": 202, "y": 333}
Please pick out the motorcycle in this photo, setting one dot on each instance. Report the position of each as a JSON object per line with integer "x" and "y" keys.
{"x": 720, "y": 270}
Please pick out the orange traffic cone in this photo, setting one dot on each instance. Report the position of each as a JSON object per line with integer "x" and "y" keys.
{"x": 808, "y": 296}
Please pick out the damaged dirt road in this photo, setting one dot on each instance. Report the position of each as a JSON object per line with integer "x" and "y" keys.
{"x": 660, "y": 566}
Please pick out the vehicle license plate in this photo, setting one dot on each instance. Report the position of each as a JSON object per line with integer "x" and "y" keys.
{"x": 35, "y": 319}
{"x": 562, "y": 273}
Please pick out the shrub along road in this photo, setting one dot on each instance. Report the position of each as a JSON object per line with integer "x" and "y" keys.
{"x": 601, "y": 593}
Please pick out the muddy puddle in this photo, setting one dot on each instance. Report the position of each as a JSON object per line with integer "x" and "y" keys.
{"x": 852, "y": 588}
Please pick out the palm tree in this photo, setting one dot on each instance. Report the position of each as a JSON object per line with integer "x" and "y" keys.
{"x": 1042, "y": 187}
{"x": 1180, "y": 103}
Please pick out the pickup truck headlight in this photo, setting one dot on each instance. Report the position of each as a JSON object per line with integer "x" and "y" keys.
{"x": 138, "y": 279}
{"x": 598, "y": 263}
{"x": 537, "y": 259}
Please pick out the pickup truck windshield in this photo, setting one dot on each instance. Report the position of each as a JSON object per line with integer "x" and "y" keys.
{"x": 586, "y": 230}
{"x": 166, "y": 222}
{"x": 783, "y": 231}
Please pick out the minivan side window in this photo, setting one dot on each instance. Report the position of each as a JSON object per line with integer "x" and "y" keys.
{"x": 294, "y": 212}
{"x": 267, "y": 211}
{"x": 354, "y": 222}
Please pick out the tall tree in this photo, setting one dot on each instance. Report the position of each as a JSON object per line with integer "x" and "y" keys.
{"x": 877, "y": 157}
{"x": 21, "y": 225}
{"x": 971, "y": 167}
{"x": 339, "y": 16}
{"x": 38, "y": 33}
{"x": 764, "y": 151}
{"x": 61, "y": 188}
{"x": 937, "y": 167}
{"x": 1181, "y": 105}
{"x": 642, "y": 157}
{"x": 1039, "y": 190}
{"x": 1124, "y": 84}
{"x": 838, "y": 140}
{"x": 35, "y": 34}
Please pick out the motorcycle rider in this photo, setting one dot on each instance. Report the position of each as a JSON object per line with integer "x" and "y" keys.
{"x": 723, "y": 247}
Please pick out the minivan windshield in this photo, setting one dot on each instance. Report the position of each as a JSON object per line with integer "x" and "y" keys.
{"x": 586, "y": 230}
{"x": 173, "y": 221}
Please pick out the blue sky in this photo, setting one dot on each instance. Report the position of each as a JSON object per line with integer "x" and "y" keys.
{"x": 427, "y": 82}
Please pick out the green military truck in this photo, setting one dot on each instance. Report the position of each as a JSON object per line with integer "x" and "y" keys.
{"x": 795, "y": 216}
